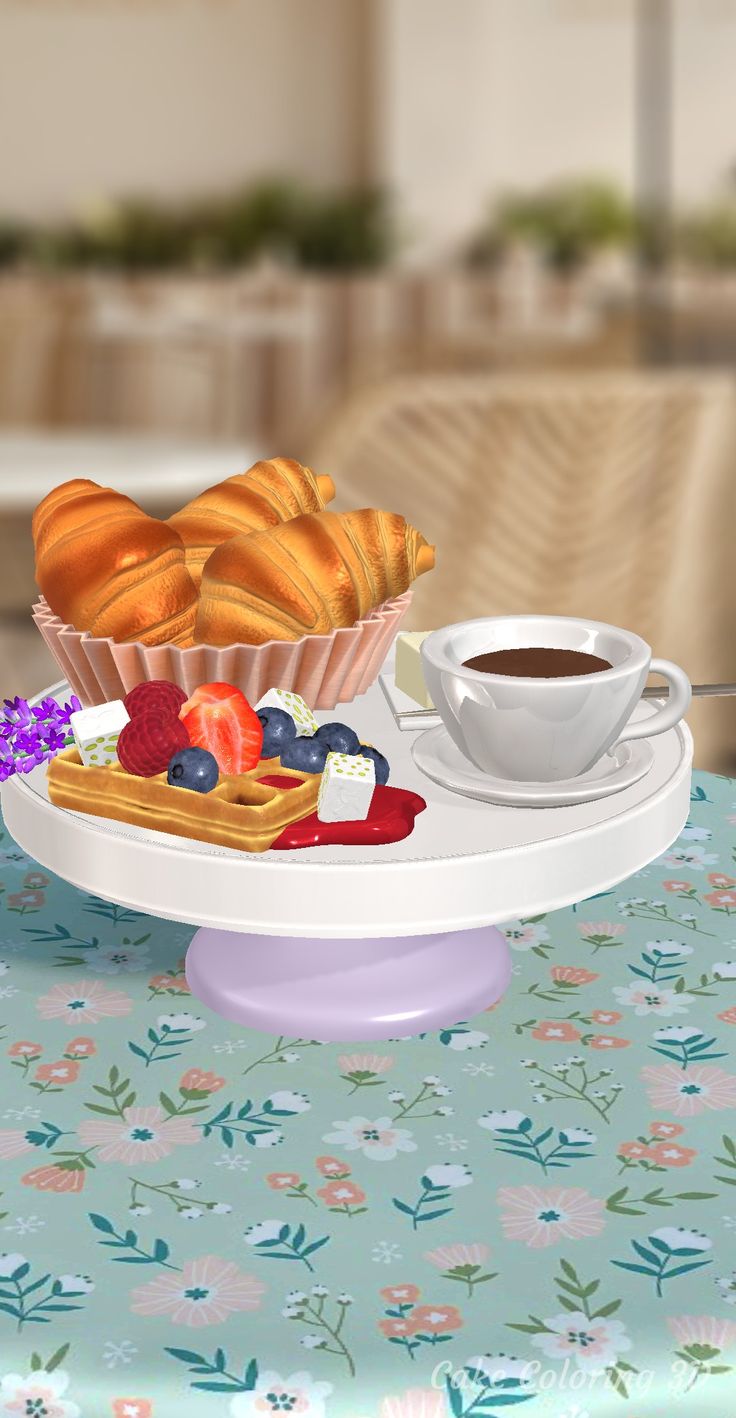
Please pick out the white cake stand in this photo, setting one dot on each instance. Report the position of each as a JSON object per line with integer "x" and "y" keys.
{"x": 352, "y": 943}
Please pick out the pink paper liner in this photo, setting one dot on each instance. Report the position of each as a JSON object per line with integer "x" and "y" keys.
{"x": 324, "y": 669}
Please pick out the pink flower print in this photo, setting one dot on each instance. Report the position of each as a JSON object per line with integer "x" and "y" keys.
{"x": 414, "y": 1403}
{"x": 601, "y": 928}
{"x": 722, "y": 899}
{"x": 364, "y": 1063}
{"x": 206, "y": 1292}
{"x": 144, "y": 1135}
{"x": 85, "y": 999}
{"x": 541, "y": 1216}
{"x": 13, "y": 1144}
{"x": 593, "y": 1344}
{"x": 718, "y": 878}
{"x": 686, "y": 1092}
{"x": 132, "y": 1408}
{"x": 703, "y": 1329}
{"x": 446, "y": 1257}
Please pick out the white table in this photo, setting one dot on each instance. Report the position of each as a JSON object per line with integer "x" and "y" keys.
{"x": 346, "y": 943}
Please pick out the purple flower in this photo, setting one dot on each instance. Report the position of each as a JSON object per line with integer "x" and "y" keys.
{"x": 7, "y": 769}
{"x": 6, "y": 729}
{"x": 47, "y": 709}
{"x": 54, "y": 741}
{"x": 63, "y": 715}
{"x": 17, "y": 710}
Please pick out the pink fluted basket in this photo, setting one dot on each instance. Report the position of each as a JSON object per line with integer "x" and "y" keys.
{"x": 324, "y": 669}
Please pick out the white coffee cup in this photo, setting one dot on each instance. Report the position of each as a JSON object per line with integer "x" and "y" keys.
{"x": 538, "y": 730}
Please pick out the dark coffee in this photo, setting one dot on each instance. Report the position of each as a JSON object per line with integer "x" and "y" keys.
{"x": 537, "y": 662}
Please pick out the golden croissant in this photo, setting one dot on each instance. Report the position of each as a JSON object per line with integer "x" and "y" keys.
{"x": 105, "y": 566}
{"x": 308, "y": 576}
{"x": 271, "y": 492}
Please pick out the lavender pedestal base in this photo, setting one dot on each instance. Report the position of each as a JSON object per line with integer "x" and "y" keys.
{"x": 348, "y": 990}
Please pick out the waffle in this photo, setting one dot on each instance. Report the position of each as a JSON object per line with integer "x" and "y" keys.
{"x": 240, "y": 812}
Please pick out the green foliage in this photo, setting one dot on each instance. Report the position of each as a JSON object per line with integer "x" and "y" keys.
{"x": 567, "y": 220}
{"x": 315, "y": 230}
{"x": 708, "y": 237}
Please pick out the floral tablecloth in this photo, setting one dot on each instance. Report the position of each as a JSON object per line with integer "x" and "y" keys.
{"x": 535, "y": 1207}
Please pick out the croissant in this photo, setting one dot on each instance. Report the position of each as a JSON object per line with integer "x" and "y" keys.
{"x": 105, "y": 566}
{"x": 307, "y": 576}
{"x": 271, "y": 492}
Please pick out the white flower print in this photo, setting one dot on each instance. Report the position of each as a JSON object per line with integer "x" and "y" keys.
{"x": 228, "y": 1046}
{"x": 284, "y": 1101}
{"x": 263, "y": 1231}
{"x": 380, "y": 1140}
{"x": 25, "y": 1225}
{"x": 725, "y": 970}
{"x": 694, "y": 857}
{"x": 593, "y": 1344}
{"x": 76, "y": 1284}
{"x": 384, "y": 1252}
{"x": 189, "y": 1022}
{"x": 502, "y": 1118}
{"x": 727, "y": 1287}
{"x": 476, "y": 1070}
{"x": 234, "y": 1162}
{"x": 297, "y": 1394}
{"x": 522, "y": 937}
{"x": 118, "y": 1352}
{"x": 664, "y": 948}
{"x": 677, "y": 1034}
{"x": 680, "y": 1238}
{"x": 4, "y": 967}
{"x": 116, "y": 959}
{"x": 9, "y": 1262}
{"x": 644, "y": 998}
{"x": 450, "y": 1141}
{"x": 449, "y": 1174}
{"x": 462, "y": 1039}
{"x": 34, "y": 1393}
{"x": 691, "y": 833}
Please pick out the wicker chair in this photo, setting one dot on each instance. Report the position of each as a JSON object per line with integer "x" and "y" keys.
{"x": 610, "y": 496}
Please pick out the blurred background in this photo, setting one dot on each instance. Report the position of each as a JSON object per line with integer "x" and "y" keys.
{"x": 475, "y": 259}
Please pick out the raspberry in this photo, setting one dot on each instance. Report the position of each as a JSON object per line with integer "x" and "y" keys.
{"x": 158, "y": 694}
{"x": 148, "y": 743}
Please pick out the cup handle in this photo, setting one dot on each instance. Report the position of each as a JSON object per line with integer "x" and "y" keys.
{"x": 678, "y": 702}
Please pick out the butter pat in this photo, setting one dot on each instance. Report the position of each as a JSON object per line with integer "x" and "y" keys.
{"x": 346, "y": 788}
{"x": 96, "y": 732}
{"x": 291, "y": 704}
{"x": 409, "y": 675}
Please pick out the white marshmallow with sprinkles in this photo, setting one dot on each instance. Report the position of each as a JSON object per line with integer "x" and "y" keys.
{"x": 292, "y": 704}
{"x": 346, "y": 788}
{"x": 96, "y": 731}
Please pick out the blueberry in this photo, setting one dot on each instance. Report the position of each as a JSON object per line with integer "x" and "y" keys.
{"x": 279, "y": 730}
{"x": 338, "y": 737}
{"x": 193, "y": 768}
{"x": 308, "y": 754}
{"x": 382, "y": 768}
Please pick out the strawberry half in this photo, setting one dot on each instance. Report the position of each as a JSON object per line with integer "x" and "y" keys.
{"x": 219, "y": 718}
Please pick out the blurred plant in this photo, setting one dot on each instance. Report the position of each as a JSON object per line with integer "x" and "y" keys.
{"x": 566, "y": 221}
{"x": 316, "y": 230}
{"x": 708, "y": 237}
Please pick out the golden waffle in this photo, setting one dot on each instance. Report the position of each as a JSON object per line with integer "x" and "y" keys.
{"x": 240, "y": 812}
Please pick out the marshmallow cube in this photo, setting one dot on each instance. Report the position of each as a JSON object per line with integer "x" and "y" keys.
{"x": 346, "y": 788}
{"x": 96, "y": 732}
{"x": 292, "y": 704}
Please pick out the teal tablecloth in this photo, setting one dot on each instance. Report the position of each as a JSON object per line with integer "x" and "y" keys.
{"x": 538, "y": 1205}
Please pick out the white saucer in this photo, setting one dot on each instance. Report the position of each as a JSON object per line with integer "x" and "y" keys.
{"x": 436, "y": 755}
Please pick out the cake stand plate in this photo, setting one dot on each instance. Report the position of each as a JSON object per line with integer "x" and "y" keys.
{"x": 352, "y": 943}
